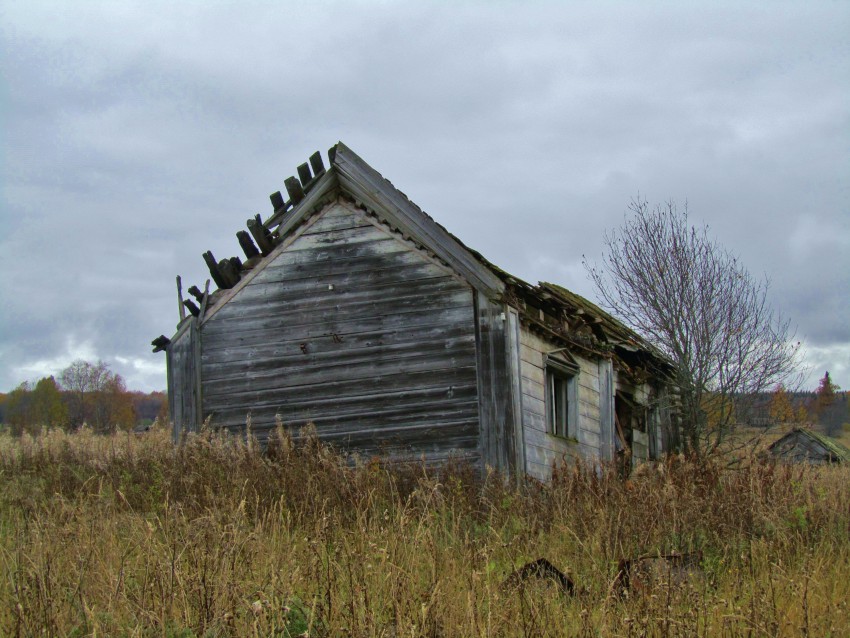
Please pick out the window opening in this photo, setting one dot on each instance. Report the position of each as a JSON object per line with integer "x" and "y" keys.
{"x": 561, "y": 398}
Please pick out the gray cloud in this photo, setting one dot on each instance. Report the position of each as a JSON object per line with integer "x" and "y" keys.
{"x": 138, "y": 135}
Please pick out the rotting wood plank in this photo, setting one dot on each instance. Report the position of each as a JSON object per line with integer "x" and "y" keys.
{"x": 294, "y": 189}
{"x": 446, "y": 368}
{"x": 215, "y": 273}
{"x": 362, "y": 306}
{"x": 355, "y": 281}
{"x": 256, "y": 337}
{"x": 317, "y": 164}
{"x": 261, "y": 235}
{"x": 387, "y": 295}
{"x": 327, "y": 349}
{"x": 338, "y": 218}
{"x": 304, "y": 174}
{"x": 401, "y": 361}
{"x": 355, "y": 403}
{"x": 320, "y": 191}
{"x": 247, "y": 244}
{"x": 283, "y": 270}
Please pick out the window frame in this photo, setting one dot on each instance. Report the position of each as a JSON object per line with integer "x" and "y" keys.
{"x": 561, "y": 387}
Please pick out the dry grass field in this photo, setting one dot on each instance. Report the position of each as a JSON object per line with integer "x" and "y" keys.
{"x": 131, "y": 536}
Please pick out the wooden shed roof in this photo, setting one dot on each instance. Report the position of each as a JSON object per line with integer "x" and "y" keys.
{"x": 550, "y": 308}
{"x": 803, "y": 441}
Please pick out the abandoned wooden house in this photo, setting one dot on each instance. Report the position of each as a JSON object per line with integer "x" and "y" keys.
{"x": 356, "y": 312}
{"x": 802, "y": 445}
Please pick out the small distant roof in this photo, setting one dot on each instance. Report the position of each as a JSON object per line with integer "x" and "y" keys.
{"x": 834, "y": 450}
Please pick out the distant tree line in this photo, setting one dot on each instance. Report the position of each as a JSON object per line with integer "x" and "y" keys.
{"x": 85, "y": 394}
{"x": 827, "y": 407}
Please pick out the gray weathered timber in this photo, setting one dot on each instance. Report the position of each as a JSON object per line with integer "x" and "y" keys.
{"x": 373, "y": 190}
{"x": 543, "y": 449}
{"x": 498, "y": 442}
{"x": 359, "y": 314}
{"x": 375, "y": 347}
{"x": 606, "y": 408}
{"x": 181, "y": 358}
{"x": 807, "y": 446}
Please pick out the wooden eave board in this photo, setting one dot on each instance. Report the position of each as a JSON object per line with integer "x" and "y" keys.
{"x": 326, "y": 184}
{"x": 291, "y": 228}
{"x": 368, "y": 186}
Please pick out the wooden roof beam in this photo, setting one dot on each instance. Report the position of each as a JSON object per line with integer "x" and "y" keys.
{"x": 317, "y": 164}
{"x": 304, "y": 174}
{"x": 261, "y": 235}
{"x": 215, "y": 273}
{"x": 247, "y": 245}
{"x": 294, "y": 189}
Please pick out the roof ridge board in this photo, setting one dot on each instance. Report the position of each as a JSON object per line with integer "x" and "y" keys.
{"x": 309, "y": 173}
{"x": 377, "y": 192}
{"x": 830, "y": 443}
{"x": 320, "y": 187}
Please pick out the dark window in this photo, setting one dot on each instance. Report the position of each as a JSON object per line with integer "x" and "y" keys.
{"x": 561, "y": 398}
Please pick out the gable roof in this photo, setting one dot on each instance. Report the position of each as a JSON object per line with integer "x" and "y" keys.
{"x": 548, "y": 308}
{"x": 814, "y": 442}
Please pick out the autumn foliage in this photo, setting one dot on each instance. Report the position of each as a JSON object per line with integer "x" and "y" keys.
{"x": 85, "y": 393}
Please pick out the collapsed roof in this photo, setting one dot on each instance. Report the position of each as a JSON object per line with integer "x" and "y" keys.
{"x": 546, "y": 308}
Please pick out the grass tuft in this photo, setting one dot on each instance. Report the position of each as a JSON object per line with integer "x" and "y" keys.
{"x": 128, "y": 535}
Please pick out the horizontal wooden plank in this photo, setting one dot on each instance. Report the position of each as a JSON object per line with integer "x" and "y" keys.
{"x": 589, "y": 410}
{"x": 305, "y": 265}
{"x": 266, "y": 331}
{"x": 588, "y": 438}
{"x": 423, "y": 368}
{"x": 444, "y": 438}
{"x": 381, "y": 423}
{"x": 380, "y": 298}
{"x": 343, "y": 404}
{"x": 532, "y": 373}
{"x": 321, "y": 340}
{"x": 538, "y": 471}
{"x": 533, "y": 405}
{"x": 346, "y": 273}
{"x": 534, "y": 421}
{"x": 353, "y": 364}
{"x": 533, "y": 390}
{"x": 337, "y": 217}
{"x": 400, "y": 388}
{"x": 359, "y": 276}
{"x": 431, "y": 294}
{"x": 531, "y": 357}
{"x": 587, "y": 394}
{"x": 362, "y": 234}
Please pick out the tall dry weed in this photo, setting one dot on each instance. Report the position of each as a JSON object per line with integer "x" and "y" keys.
{"x": 132, "y": 535}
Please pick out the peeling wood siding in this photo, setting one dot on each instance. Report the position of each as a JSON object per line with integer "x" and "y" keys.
{"x": 354, "y": 330}
{"x": 542, "y": 449}
{"x": 606, "y": 409}
{"x": 182, "y": 362}
{"x": 496, "y": 386}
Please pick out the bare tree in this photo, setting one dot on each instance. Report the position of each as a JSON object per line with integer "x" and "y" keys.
{"x": 698, "y": 304}
{"x": 96, "y": 396}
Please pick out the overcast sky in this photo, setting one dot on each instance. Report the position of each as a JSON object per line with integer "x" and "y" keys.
{"x": 135, "y": 136}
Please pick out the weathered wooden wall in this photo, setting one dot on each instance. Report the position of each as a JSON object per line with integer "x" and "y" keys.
{"x": 542, "y": 449}
{"x": 182, "y": 357}
{"x": 356, "y": 331}
{"x": 496, "y": 385}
